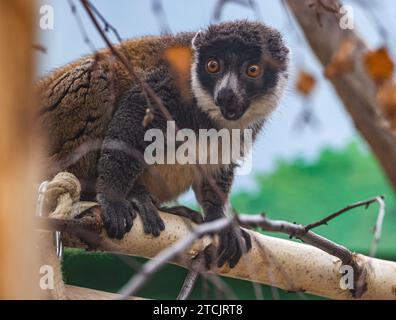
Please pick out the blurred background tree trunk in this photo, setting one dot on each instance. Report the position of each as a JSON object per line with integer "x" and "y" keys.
{"x": 355, "y": 88}
{"x": 19, "y": 167}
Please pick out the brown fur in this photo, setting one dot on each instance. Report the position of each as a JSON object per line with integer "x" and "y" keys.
{"x": 167, "y": 182}
{"x": 77, "y": 100}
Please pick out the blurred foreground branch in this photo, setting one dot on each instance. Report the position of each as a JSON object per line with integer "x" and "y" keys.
{"x": 19, "y": 170}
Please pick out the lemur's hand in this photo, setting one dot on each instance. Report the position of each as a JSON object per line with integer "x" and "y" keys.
{"x": 117, "y": 215}
{"x": 147, "y": 210}
{"x": 230, "y": 249}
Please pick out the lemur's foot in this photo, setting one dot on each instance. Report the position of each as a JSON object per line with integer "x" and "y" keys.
{"x": 231, "y": 249}
{"x": 147, "y": 210}
{"x": 184, "y": 212}
{"x": 117, "y": 216}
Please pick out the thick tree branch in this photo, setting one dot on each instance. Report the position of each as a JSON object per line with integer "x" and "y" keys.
{"x": 311, "y": 269}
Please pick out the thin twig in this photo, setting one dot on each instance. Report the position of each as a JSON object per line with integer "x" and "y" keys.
{"x": 107, "y": 26}
{"x": 188, "y": 285}
{"x": 158, "y": 10}
{"x": 221, "y": 286}
{"x": 131, "y": 263}
{"x": 378, "y": 227}
{"x": 40, "y": 47}
{"x": 298, "y": 231}
{"x": 80, "y": 24}
{"x": 325, "y": 220}
{"x": 196, "y": 267}
{"x": 219, "y": 7}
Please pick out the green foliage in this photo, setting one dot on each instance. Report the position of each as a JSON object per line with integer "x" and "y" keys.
{"x": 108, "y": 272}
{"x": 297, "y": 191}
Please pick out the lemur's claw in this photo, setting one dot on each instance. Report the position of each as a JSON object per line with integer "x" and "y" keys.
{"x": 152, "y": 222}
{"x": 230, "y": 249}
{"x": 117, "y": 215}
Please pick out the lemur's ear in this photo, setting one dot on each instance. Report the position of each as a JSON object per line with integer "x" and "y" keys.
{"x": 194, "y": 40}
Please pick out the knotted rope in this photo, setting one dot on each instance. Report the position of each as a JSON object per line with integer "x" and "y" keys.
{"x": 59, "y": 198}
{"x": 63, "y": 197}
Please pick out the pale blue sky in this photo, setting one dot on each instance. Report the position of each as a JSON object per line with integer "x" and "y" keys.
{"x": 279, "y": 139}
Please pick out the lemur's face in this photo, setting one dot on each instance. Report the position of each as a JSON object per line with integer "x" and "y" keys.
{"x": 233, "y": 76}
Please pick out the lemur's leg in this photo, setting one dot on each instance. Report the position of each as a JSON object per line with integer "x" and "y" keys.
{"x": 214, "y": 206}
{"x": 120, "y": 164}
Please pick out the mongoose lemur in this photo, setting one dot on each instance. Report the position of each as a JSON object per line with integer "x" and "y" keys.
{"x": 237, "y": 74}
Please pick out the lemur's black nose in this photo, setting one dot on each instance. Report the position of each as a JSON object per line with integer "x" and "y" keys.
{"x": 225, "y": 98}
{"x": 228, "y": 103}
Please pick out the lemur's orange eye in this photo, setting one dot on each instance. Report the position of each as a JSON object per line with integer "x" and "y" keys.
{"x": 253, "y": 70}
{"x": 213, "y": 66}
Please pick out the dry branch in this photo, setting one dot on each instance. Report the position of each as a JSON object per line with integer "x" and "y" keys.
{"x": 188, "y": 285}
{"x": 298, "y": 266}
{"x": 355, "y": 87}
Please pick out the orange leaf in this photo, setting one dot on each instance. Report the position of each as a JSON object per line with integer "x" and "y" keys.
{"x": 379, "y": 65}
{"x": 305, "y": 83}
{"x": 342, "y": 61}
{"x": 386, "y": 98}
